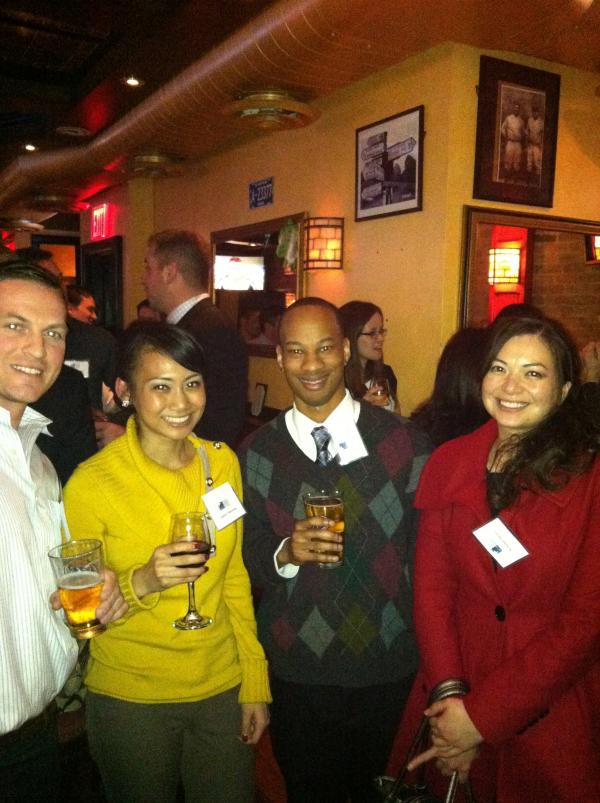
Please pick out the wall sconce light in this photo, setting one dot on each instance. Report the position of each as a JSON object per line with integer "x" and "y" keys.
{"x": 504, "y": 265}
{"x": 323, "y": 243}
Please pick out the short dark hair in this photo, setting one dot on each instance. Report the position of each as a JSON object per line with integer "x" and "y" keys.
{"x": 76, "y": 293}
{"x": 33, "y": 254}
{"x": 190, "y": 251}
{"x": 27, "y": 271}
{"x": 519, "y": 311}
{"x": 312, "y": 301}
{"x": 175, "y": 342}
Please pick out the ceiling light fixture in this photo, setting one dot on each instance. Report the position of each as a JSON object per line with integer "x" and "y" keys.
{"x": 271, "y": 110}
{"x": 30, "y": 147}
{"x": 75, "y": 131}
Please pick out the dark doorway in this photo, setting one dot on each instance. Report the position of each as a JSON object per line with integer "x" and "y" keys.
{"x": 102, "y": 275}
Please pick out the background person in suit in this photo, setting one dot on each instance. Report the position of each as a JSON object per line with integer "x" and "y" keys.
{"x": 176, "y": 281}
{"x": 70, "y": 439}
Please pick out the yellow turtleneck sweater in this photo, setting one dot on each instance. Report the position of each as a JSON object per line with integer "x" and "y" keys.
{"x": 125, "y": 499}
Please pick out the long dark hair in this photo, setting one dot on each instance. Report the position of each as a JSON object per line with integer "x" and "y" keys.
{"x": 455, "y": 407}
{"x": 566, "y": 442}
{"x": 143, "y": 336}
{"x": 355, "y": 314}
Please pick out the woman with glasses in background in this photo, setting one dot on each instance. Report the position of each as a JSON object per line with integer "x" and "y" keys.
{"x": 367, "y": 376}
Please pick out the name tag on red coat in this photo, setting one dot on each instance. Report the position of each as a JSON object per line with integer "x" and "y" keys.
{"x": 502, "y": 545}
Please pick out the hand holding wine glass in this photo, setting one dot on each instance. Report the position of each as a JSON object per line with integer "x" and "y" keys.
{"x": 379, "y": 392}
{"x": 193, "y": 528}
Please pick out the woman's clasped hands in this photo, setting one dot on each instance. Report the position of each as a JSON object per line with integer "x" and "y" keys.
{"x": 455, "y": 739}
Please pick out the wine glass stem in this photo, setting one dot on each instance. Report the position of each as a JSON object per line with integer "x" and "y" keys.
{"x": 191, "y": 598}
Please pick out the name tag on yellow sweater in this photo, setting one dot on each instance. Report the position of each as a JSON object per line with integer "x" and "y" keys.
{"x": 223, "y": 505}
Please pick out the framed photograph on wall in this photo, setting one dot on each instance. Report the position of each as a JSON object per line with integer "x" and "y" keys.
{"x": 389, "y": 166}
{"x": 517, "y": 127}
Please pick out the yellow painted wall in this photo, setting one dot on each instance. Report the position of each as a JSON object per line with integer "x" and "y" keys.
{"x": 409, "y": 264}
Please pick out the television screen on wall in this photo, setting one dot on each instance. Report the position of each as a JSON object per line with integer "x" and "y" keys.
{"x": 239, "y": 273}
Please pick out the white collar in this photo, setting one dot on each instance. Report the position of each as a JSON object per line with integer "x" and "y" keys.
{"x": 346, "y": 442}
{"x": 30, "y": 426}
{"x": 181, "y": 309}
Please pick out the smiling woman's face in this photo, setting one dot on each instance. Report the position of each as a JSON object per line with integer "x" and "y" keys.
{"x": 522, "y": 387}
{"x": 169, "y": 399}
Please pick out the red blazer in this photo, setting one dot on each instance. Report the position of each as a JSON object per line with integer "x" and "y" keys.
{"x": 527, "y": 637}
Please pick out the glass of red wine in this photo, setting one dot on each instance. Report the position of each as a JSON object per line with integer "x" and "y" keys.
{"x": 193, "y": 527}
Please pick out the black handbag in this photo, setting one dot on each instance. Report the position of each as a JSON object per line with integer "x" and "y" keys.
{"x": 397, "y": 790}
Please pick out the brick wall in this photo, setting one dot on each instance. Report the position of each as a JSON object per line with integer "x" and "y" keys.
{"x": 564, "y": 286}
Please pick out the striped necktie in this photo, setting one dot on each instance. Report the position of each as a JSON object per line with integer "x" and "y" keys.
{"x": 322, "y": 437}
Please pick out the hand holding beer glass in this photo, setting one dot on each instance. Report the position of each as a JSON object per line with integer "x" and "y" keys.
{"x": 193, "y": 527}
{"x": 329, "y": 506}
{"x": 78, "y": 567}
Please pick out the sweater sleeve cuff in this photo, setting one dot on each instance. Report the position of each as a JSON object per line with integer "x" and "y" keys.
{"x": 255, "y": 682}
{"x": 131, "y": 598}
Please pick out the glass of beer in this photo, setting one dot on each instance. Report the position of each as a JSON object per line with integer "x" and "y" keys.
{"x": 331, "y": 506}
{"x": 78, "y": 569}
{"x": 198, "y": 528}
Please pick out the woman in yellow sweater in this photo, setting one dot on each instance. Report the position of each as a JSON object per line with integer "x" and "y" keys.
{"x": 164, "y": 704}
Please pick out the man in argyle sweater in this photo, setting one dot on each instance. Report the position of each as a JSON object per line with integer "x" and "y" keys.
{"x": 339, "y": 639}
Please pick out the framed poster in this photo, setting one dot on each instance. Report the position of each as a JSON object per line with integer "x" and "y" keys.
{"x": 389, "y": 166}
{"x": 517, "y": 126}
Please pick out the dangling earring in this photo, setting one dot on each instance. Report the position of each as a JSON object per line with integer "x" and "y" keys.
{"x": 125, "y": 402}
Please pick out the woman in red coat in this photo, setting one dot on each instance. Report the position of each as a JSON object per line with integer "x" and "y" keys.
{"x": 515, "y": 608}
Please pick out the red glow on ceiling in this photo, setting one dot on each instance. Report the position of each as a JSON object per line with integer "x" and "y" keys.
{"x": 99, "y": 108}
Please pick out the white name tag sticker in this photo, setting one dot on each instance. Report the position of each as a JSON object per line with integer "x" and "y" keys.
{"x": 83, "y": 366}
{"x": 223, "y": 505}
{"x": 503, "y": 546}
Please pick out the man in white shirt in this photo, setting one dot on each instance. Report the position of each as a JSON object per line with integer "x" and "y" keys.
{"x": 338, "y": 634}
{"x": 37, "y": 653}
{"x": 512, "y": 131}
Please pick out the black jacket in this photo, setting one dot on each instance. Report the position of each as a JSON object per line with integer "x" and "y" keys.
{"x": 226, "y": 372}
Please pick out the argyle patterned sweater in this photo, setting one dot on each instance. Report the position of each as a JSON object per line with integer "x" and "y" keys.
{"x": 350, "y": 626}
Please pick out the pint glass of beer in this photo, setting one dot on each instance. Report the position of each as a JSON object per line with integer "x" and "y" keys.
{"x": 331, "y": 506}
{"x": 78, "y": 568}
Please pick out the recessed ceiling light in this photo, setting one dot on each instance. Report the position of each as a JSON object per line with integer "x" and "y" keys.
{"x": 30, "y": 147}
{"x": 132, "y": 81}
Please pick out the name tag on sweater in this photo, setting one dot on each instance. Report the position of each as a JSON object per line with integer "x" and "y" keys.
{"x": 503, "y": 546}
{"x": 223, "y": 505}
{"x": 348, "y": 442}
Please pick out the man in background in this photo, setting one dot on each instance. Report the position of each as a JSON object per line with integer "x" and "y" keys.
{"x": 81, "y": 304}
{"x": 91, "y": 350}
{"x": 176, "y": 280}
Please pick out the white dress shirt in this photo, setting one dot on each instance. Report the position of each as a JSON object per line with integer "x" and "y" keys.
{"x": 37, "y": 652}
{"x": 346, "y": 445}
{"x": 177, "y": 314}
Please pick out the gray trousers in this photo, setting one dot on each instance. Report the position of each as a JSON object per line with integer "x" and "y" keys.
{"x": 142, "y": 750}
